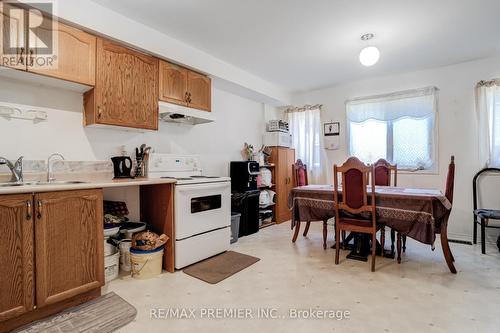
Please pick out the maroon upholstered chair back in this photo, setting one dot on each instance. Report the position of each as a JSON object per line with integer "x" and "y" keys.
{"x": 355, "y": 177}
{"x": 383, "y": 170}
{"x": 300, "y": 173}
{"x": 450, "y": 180}
{"x": 353, "y": 188}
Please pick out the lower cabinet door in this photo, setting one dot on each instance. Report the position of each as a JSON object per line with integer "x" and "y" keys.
{"x": 16, "y": 255}
{"x": 68, "y": 244}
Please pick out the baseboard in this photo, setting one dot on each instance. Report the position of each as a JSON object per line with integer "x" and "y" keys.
{"x": 467, "y": 239}
{"x": 459, "y": 241}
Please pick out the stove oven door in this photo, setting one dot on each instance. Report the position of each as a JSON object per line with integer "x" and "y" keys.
{"x": 200, "y": 208}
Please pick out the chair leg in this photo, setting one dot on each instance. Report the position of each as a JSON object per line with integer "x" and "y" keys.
{"x": 448, "y": 256}
{"x": 393, "y": 239}
{"x": 374, "y": 249}
{"x": 296, "y": 233}
{"x": 399, "y": 247}
{"x": 344, "y": 245}
{"x": 306, "y": 230}
{"x": 483, "y": 236}
{"x": 337, "y": 244}
{"x": 325, "y": 233}
{"x": 404, "y": 243}
{"x": 474, "y": 230}
{"x": 382, "y": 239}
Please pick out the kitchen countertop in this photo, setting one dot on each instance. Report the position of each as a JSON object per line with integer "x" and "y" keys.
{"x": 86, "y": 185}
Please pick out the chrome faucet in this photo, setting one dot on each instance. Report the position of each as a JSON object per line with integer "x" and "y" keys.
{"x": 50, "y": 177}
{"x": 16, "y": 169}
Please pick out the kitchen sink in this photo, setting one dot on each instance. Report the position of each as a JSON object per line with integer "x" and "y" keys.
{"x": 56, "y": 182}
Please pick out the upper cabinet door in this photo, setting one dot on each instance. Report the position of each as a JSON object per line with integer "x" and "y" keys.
{"x": 173, "y": 83}
{"x": 16, "y": 255}
{"x": 69, "y": 244}
{"x": 199, "y": 91}
{"x": 126, "y": 91}
{"x": 13, "y": 31}
{"x": 71, "y": 56}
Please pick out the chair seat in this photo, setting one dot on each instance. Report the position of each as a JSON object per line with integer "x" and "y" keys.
{"x": 488, "y": 213}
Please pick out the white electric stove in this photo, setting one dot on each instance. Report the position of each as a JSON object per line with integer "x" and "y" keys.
{"x": 202, "y": 207}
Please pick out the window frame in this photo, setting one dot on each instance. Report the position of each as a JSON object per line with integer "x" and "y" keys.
{"x": 434, "y": 135}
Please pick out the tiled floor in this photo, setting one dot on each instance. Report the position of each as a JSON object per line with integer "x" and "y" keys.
{"x": 420, "y": 295}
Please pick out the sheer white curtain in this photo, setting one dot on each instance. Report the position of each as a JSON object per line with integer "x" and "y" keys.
{"x": 305, "y": 127}
{"x": 399, "y": 127}
{"x": 488, "y": 115}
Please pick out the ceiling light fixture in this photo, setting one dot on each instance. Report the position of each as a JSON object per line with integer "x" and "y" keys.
{"x": 370, "y": 55}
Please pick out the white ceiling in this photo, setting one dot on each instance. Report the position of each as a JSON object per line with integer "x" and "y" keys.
{"x": 308, "y": 44}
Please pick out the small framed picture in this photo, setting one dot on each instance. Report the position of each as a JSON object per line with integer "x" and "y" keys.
{"x": 331, "y": 129}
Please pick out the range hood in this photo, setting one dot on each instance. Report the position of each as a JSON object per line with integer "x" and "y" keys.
{"x": 181, "y": 114}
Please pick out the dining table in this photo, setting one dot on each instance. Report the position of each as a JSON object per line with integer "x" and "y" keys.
{"x": 414, "y": 212}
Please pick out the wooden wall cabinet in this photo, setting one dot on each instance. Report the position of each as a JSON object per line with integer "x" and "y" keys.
{"x": 126, "y": 89}
{"x": 184, "y": 87}
{"x": 173, "y": 83}
{"x": 283, "y": 159}
{"x": 75, "y": 55}
{"x": 12, "y": 22}
{"x": 74, "y": 49}
{"x": 52, "y": 251}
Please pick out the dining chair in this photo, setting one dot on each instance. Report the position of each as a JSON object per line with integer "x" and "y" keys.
{"x": 300, "y": 179}
{"x": 383, "y": 172}
{"x": 484, "y": 215}
{"x": 355, "y": 209}
{"x": 442, "y": 227}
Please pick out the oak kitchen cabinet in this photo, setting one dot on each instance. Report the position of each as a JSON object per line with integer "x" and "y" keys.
{"x": 52, "y": 249}
{"x": 283, "y": 159}
{"x": 185, "y": 87}
{"x": 12, "y": 25}
{"x": 74, "y": 51}
{"x": 16, "y": 255}
{"x": 126, "y": 88}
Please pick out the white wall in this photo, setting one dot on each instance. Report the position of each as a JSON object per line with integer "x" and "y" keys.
{"x": 238, "y": 120}
{"x": 456, "y": 121}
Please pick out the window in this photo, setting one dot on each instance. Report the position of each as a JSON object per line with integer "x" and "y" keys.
{"x": 398, "y": 127}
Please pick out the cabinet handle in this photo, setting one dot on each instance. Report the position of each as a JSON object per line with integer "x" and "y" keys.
{"x": 189, "y": 97}
{"x": 99, "y": 112}
{"x": 28, "y": 210}
{"x": 39, "y": 215}
{"x": 32, "y": 58}
{"x": 21, "y": 56}
{"x": 186, "y": 97}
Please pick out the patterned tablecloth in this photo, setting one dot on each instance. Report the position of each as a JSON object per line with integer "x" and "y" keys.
{"x": 416, "y": 213}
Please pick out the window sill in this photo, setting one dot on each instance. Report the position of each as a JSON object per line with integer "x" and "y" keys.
{"x": 418, "y": 172}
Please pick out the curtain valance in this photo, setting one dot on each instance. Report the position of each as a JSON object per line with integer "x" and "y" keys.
{"x": 418, "y": 103}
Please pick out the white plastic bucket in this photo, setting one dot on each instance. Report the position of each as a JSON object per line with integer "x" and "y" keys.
{"x": 108, "y": 248}
{"x": 146, "y": 264}
{"x": 124, "y": 246}
{"x": 111, "y": 266}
